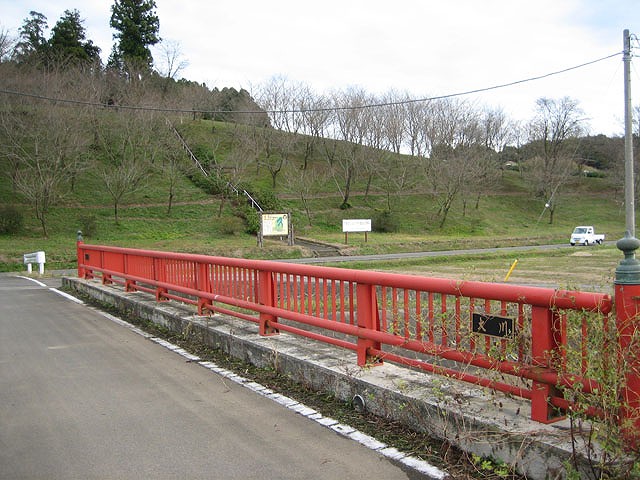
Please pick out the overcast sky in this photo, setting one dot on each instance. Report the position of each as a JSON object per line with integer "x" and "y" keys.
{"x": 423, "y": 47}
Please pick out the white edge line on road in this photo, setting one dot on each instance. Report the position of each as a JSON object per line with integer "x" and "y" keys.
{"x": 33, "y": 280}
{"x": 67, "y": 296}
{"x": 55, "y": 290}
{"x": 345, "y": 430}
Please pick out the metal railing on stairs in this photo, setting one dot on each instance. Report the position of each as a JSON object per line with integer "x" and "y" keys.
{"x": 252, "y": 201}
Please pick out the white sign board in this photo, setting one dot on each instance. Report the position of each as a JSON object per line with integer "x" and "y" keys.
{"x": 275, "y": 224}
{"x": 356, "y": 225}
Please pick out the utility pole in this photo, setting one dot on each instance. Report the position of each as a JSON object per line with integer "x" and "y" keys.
{"x": 629, "y": 194}
{"x": 628, "y": 271}
{"x": 627, "y": 281}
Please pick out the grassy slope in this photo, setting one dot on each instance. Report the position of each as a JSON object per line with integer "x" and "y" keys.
{"x": 507, "y": 216}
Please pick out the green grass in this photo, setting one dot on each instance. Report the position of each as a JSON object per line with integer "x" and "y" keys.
{"x": 507, "y": 215}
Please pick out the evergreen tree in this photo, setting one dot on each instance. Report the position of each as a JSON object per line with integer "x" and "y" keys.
{"x": 32, "y": 46}
{"x": 137, "y": 27}
{"x": 68, "y": 40}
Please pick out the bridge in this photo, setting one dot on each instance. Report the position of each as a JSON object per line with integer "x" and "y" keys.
{"x": 310, "y": 324}
{"x": 410, "y": 341}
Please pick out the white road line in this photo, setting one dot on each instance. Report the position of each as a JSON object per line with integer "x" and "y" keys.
{"x": 67, "y": 296}
{"x": 33, "y": 280}
{"x": 55, "y": 290}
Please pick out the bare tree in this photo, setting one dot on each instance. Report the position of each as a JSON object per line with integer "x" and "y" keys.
{"x": 236, "y": 165}
{"x": 493, "y": 132}
{"x": 446, "y": 171}
{"x": 128, "y": 143}
{"x": 415, "y": 128}
{"x": 450, "y": 137}
{"x": 304, "y": 183}
{"x": 351, "y": 122}
{"x": 396, "y": 175}
{"x": 172, "y": 161}
{"x": 315, "y": 116}
{"x": 7, "y": 45}
{"x": 377, "y": 139}
{"x": 551, "y": 157}
{"x": 172, "y": 62}
{"x": 43, "y": 144}
{"x": 281, "y": 99}
{"x": 121, "y": 180}
{"x": 393, "y": 115}
{"x": 284, "y": 101}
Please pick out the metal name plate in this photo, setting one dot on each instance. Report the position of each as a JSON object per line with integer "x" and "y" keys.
{"x": 493, "y": 325}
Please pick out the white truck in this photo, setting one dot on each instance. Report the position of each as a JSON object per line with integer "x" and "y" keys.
{"x": 585, "y": 235}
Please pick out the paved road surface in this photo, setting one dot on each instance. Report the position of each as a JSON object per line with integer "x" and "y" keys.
{"x": 82, "y": 397}
{"x": 437, "y": 253}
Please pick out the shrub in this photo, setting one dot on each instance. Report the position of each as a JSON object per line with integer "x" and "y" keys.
{"x": 230, "y": 225}
{"x": 252, "y": 221}
{"x": 267, "y": 199}
{"x": 88, "y": 225}
{"x": 11, "y": 219}
{"x": 385, "y": 222}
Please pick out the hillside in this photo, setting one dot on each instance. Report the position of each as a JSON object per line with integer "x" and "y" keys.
{"x": 206, "y": 218}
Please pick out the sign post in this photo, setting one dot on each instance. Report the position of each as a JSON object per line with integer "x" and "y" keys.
{"x": 275, "y": 225}
{"x": 356, "y": 225}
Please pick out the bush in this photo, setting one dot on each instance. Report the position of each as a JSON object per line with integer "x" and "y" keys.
{"x": 594, "y": 174}
{"x": 385, "y": 222}
{"x": 266, "y": 198}
{"x": 11, "y": 219}
{"x": 88, "y": 225}
{"x": 230, "y": 225}
{"x": 252, "y": 221}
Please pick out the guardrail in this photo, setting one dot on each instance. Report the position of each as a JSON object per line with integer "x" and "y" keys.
{"x": 530, "y": 342}
{"x": 35, "y": 257}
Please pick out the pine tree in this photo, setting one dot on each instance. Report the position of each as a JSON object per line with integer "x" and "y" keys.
{"x": 137, "y": 28}
{"x": 68, "y": 40}
{"x": 32, "y": 46}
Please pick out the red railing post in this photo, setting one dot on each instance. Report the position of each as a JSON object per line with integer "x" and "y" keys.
{"x": 266, "y": 296}
{"x": 546, "y": 353}
{"x": 202, "y": 285}
{"x": 80, "y": 255}
{"x": 367, "y": 317}
{"x": 627, "y": 302}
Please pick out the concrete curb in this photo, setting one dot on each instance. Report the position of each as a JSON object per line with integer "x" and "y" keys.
{"x": 472, "y": 419}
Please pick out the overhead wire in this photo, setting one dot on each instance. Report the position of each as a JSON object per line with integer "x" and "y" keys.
{"x": 307, "y": 110}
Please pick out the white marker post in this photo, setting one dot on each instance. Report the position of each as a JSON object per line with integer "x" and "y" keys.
{"x": 35, "y": 257}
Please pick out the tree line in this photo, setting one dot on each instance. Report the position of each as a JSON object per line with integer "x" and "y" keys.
{"x": 449, "y": 148}
{"x": 117, "y": 126}
{"x": 63, "y": 113}
{"x": 452, "y": 148}
{"x": 136, "y": 26}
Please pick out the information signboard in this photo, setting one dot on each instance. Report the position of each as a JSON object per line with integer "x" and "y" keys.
{"x": 356, "y": 225}
{"x": 275, "y": 224}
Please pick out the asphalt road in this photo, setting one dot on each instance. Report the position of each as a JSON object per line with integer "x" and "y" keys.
{"x": 436, "y": 253}
{"x": 84, "y": 397}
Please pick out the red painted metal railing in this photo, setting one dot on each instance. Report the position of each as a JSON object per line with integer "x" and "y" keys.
{"x": 525, "y": 341}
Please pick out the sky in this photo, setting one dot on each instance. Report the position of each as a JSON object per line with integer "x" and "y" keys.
{"x": 424, "y": 48}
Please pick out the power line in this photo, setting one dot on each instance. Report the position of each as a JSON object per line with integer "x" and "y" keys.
{"x": 307, "y": 110}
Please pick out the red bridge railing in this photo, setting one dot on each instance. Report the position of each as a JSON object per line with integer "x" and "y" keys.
{"x": 531, "y": 342}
